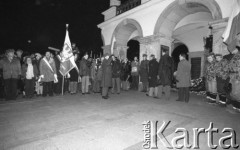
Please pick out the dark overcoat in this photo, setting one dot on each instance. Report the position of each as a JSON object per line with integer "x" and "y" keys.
{"x": 183, "y": 74}
{"x": 10, "y": 69}
{"x": 165, "y": 70}
{"x": 125, "y": 71}
{"x": 84, "y": 69}
{"x": 107, "y": 72}
{"x": 116, "y": 69}
{"x": 143, "y": 71}
{"x": 153, "y": 73}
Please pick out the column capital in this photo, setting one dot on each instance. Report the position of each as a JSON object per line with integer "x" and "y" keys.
{"x": 122, "y": 46}
{"x": 149, "y": 39}
{"x": 154, "y": 38}
{"x": 106, "y": 49}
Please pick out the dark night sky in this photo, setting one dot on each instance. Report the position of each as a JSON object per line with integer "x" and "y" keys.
{"x": 43, "y": 22}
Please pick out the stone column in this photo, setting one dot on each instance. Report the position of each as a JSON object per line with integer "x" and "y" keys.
{"x": 106, "y": 49}
{"x": 219, "y": 27}
{"x": 121, "y": 51}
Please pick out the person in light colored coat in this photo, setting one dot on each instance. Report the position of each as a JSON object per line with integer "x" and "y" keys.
{"x": 183, "y": 76}
{"x": 48, "y": 74}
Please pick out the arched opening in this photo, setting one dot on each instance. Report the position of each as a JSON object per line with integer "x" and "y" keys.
{"x": 170, "y": 18}
{"x": 188, "y": 21}
{"x": 124, "y": 40}
{"x": 133, "y": 49}
{"x": 180, "y": 48}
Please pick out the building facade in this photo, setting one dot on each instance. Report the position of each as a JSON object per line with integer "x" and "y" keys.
{"x": 165, "y": 24}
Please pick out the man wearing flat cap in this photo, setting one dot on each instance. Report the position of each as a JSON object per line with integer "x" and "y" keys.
{"x": 143, "y": 71}
{"x": 11, "y": 73}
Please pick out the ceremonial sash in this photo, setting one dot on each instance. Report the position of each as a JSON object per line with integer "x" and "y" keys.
{"x": 55, "y": 78}
{"x": 48, "y": 64}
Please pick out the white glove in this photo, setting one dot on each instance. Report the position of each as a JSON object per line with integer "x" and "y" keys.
{"x": 40, "y": 77}
{"x": 175, "y": 73}
{"x": 55, "y": 78}
{"x": 68, "y": 75}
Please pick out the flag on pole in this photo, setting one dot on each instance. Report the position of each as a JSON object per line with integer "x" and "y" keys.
{"x": 67, "y": 57}
{"x": 233, "y": 27}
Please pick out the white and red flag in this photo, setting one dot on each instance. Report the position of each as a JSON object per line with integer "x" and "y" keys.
{"x": 233, "y": 27}
{"x": 67, "y": 57}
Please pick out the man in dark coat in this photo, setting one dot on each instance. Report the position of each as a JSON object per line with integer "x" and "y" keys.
{"x": 152, "y": 77}
{"x": 19, "y": 56}
{"x": 135, "y": 73}
{"x": 84, "y": 72}
{"x": 165, "y": 74}
{"x": 57, "y": 87}
{"x": 116, "y": 72}
{"x": 143, "y": 71}
{"x": 106, "y": 75}
{"x": 11, "y": 73}
{"x": 125, "y": 74}
{"x": 183, "y": 76}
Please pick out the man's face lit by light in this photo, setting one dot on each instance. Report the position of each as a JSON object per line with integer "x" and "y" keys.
{"x": 219, "y": 58}
{"x": 48, "y": 55}
{"x": 86, "y": 56}
{"x": 210, "y": 59}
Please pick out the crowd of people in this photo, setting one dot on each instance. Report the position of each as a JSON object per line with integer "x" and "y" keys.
{"x": 223, "y": 79}
{"x": 36, "y": 75}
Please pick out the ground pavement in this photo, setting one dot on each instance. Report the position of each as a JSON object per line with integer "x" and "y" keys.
{"x": 77, "y": 122}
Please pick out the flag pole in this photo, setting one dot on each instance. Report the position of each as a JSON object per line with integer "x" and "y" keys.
{"x": 63, "y": 85}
